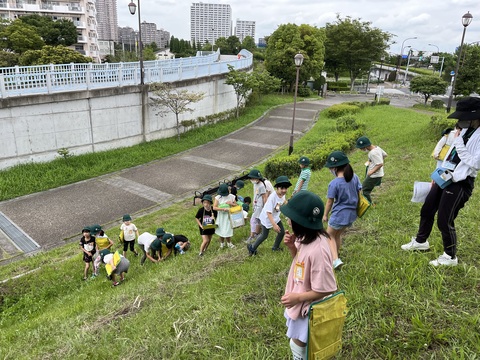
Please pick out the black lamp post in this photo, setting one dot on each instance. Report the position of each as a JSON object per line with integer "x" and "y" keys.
{"x": 132, "y": 8}
{"x": 298, "y": 62}
{"x": 466, "y": 20}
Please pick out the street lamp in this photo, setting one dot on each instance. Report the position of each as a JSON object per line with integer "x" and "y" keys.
{"x": 399, "y": 62}
{"x": 466, "y": 20}
{"x": 382, "y": 59}
{"x": 438, "y": 52}
{"x": 298, "y": 62}
{"x": 410, "y": 51}
{"x": 438, "y": 49}
{"x": 132, "y": 8}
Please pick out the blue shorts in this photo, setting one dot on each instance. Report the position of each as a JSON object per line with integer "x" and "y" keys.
{"x": 335, "y": 226}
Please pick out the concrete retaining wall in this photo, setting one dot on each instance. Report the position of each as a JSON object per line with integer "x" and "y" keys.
{"x": 34, "y": 128}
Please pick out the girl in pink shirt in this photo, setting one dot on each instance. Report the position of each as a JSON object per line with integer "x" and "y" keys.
{"x": 311, "y": 275}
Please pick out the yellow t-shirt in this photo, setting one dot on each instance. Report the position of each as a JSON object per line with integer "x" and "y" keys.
{"x": 102, "y": 242}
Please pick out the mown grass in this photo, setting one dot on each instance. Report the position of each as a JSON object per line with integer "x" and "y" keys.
{"x": 226, "y": 304}
{"x": 33, "y": 177}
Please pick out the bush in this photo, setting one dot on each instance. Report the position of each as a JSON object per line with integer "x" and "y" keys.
{"x": 338, "y": 86}
{"x": 360, "y": 104}
{"x": 288, "y": 165}
{"x": 338, "y": 110}
{"x": 381, "y": 101}
{"x": 304, "y": 91}
{"x": 437, "y": 104}
{"x": 348, "y": 123}
{"x": 438, "y": 123}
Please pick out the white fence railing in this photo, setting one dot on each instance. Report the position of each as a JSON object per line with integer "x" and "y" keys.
{"x": 49, "y": 79}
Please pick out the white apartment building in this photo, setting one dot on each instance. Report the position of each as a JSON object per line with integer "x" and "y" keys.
{"x": 244, "y": 28}
{"x": 107, "y": 20}
{"x": 81, "y": 12}
{"x": 208, "y": 22}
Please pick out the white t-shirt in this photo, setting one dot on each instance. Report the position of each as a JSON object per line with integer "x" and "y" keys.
{"x": 258, "y": 191}
{"x": 129, "y": 231}
{"x": 272, "y": 206}
{"x": 375, "y": 157}
{"x": 146, "y": 240}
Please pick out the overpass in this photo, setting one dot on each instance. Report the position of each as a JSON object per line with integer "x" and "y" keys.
{"x": 96, "y": 107}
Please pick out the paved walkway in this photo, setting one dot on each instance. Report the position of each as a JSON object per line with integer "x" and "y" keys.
{"x": 48, "y": 219}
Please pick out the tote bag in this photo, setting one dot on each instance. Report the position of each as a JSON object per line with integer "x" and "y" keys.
{"x": 362, "y": 206}
{"x": 325, "y": 326}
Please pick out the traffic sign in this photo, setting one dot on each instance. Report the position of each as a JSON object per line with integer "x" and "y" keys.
{"x": 452, "y": 73}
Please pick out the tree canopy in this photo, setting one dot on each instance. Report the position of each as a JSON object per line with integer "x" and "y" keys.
{"x": 52, "y": 55}
{"x": 428, "y": 85}
{"x": 468, "y": 80}
{"x": 352, "y": 45}
{"x": 58, "y": 32}
{"x": 289, "y": 40}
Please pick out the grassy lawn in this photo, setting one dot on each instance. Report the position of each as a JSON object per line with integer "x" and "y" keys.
{"x": 225, "y": 305}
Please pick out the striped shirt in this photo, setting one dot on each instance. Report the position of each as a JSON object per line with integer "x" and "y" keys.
{"x": 305, "y": 176}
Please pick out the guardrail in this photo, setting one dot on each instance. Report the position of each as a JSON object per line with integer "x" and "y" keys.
{"x": 49, "y": 79}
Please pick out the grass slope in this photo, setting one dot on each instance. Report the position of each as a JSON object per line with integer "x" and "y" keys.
{"x": 226, "y": 304}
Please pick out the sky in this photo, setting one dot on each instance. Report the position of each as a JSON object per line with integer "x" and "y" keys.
{"x": 437, "y": 22}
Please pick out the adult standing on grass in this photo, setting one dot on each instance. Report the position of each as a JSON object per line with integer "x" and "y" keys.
{"x": 270, "y": 216}
{"x": 311, "y": 275}
{"x": 222, "y": 203}
{"x": 342, "y": 200}
{"x": 87, "y": 245}
{"x": 374, "y": 172}
{"x": 463, "y": 161}
{"x": 305, "y": 173}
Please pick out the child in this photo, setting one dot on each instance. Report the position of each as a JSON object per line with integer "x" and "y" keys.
{"x": 343, "y": 194}
{"x": 443, "y": 145}
{"x": 87, "y": 245}
{"x": 119, "y": 267}
{"x": 374, "y": 173}
{"x": 130, "y": 232}
{"x": 239, "y": 184}
{"x": 304, "y": 178}
{"x": 206, "y": 217}
{"x": 246, "y": 206}
{"x": 311, "y": 276}
{"x": 259, "y": 199}
{"x": 270, "y": 216}
{"x": 149, "y": 242}
{"x": 102, "y": 242}
{"x": 222, "y": 203}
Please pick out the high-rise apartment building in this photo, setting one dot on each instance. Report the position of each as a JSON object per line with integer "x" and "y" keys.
{"x": 150, "y": 34}
{"x": 244, "y": 28}
{"x": 208, "y": 22}
{"x": 107, "y": 20}
{"x": 81, "y": 12}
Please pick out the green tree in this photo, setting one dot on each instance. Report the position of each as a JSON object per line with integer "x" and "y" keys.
{"x": 8, "y": 59}
{"x": 428, "y": 85}
{"x": 20, "y": 37}
{"x": 168, "y": 99}
{"x": 285, "y": 43}
{"x": 265, "y": 83}
{"x": 242, "y": 82}
{"x": 352, "y": 45}
{"x": 52, "y": 55}
{"x": 248, "y": 43}
{"x": 148, "y": 54}
{"x": 58, "y": 32}
{"x": 234, "y": 45}
{"x": 468, "y": 80}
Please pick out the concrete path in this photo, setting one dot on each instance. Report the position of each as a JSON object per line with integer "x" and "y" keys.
{"x": 47, "y": 219}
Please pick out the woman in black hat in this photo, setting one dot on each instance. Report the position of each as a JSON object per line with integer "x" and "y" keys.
{"x": 462, "y": 163}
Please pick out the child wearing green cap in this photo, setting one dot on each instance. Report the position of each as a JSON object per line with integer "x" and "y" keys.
{"x": 130, "y": 233}
{"x": 305, "y": 173}
{"x": 222, "y": 203}
{"x": 270, "y": 216}
{"x": 87, "y": 245}
{"x": 205, "y": 219}
{"x": 311, "y": 275}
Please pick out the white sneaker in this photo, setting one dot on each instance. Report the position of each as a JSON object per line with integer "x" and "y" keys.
{"x": 445, "y": 260}
{"x": 230, "y": 245}
{"x": 337, "y": 263}
{"x": 414, "y": 245}
{"x": 222, "y": 245}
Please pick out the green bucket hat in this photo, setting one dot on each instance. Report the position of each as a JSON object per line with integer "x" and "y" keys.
{"x": 86, "y": 228}
{"x": 223, "y": 190}
{"x": 254, "y": 174}
{"x": 127, "y": 217}
{"x": 104, "y": 252}
{"x": 207, "y": 197}
{"x": 245, "y": 207}
{"x": 160, "y": 232}
{"x": 95, "y": 228}
{"x": 306, "y": 209}
{"x": 304, "y": 160}
{"x": 167, "y": 239}
{"x": 336, "y": 159}
{"x": 239, "y": 184}
{"x": 282, "y": 180}
{"x": 363, "y": 142}
{"x": 156, "y": 244}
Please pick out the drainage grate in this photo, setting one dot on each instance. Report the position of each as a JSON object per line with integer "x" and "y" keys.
{"x": 21, "y": 240}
